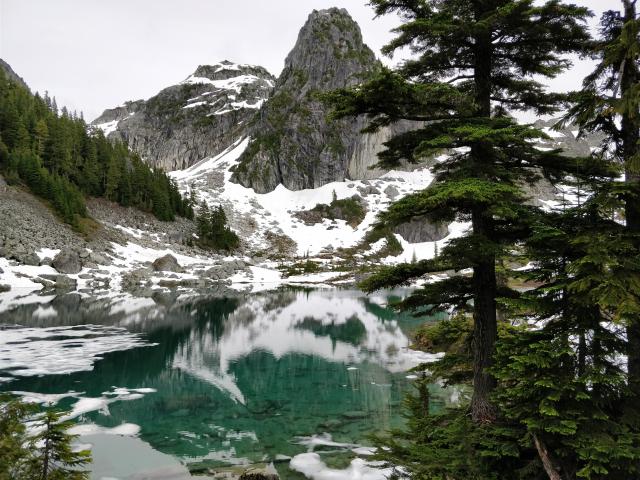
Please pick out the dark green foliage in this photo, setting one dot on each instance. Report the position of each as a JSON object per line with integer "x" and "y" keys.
{"x": 351, "y": 210}
{"x": 552, "y": 400}
{"x": 573, "y": 409}
{"x": 475, "y": 63}
{"x": 609, "y": 103}
{"x": 301, "y": 268}
{"x": 213, "y": 232}
{"x": 48, "y": 455}
{"x": 16, "y": 448}
{"x": 61, "y": 160}
{"x": 57, "y": 460}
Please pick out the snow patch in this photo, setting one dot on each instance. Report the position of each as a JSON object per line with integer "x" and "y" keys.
{"x": 312, "y": 466}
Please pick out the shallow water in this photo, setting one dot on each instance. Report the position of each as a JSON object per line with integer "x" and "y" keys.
{"x": 214, "y": 382}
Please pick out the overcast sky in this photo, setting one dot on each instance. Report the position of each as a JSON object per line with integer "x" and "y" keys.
{"x": 96, "y": 54}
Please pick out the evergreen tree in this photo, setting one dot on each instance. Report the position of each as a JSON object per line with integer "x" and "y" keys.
{"x": 57, "y": 459}
{"x": 610, "y": 103}
{"x": 475, "y": 62}
{"x": 15, "y": 446}
{"x": 562, "y": 381}
{"x": 61, "y": 160}
{"x": 41, "y": 134}
{"x": 213, "y": 231}
{"x": 47, "y": 455}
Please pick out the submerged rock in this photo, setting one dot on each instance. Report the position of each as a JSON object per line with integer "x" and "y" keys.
{"x": 260, "y": 473}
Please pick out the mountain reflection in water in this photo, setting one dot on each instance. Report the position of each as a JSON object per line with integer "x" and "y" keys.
{"x": 223, "y": 381}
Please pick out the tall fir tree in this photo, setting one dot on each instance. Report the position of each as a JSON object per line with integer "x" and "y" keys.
{"x": 475, "y": 61}
{"x": 610, "y": 103}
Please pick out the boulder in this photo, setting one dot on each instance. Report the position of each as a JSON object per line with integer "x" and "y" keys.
{"x": 99, "y": 258}
{"x": 392, "y": 192}
{"x": 46, "y": 262}
{"x": 421, "y": 229}
{"x": 67, "y": 261}
{"x": 31, "y": 259}
{"x": 168, "y": 263}
{"x": 60, "y": 281}
{"x": 4, "y": 288}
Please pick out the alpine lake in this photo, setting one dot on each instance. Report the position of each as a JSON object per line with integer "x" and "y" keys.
{"x": 195, "y": 384}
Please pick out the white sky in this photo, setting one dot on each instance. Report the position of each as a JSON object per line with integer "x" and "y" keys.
{"x": 96, "y": 54}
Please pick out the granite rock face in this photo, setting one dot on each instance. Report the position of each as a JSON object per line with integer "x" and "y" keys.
{"x": 294, "y": 143}
{"x": 198, "y": 118}
{"x": 420, "y": 230}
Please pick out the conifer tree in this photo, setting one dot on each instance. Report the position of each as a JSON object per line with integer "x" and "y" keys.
{"x": 57, "y": 459}
{"x": 562, "y": 381}
{"x": 15, "y": 446}
{"x": 475, "y": 61}
{"x": 60, "y": 159}
{"x": 610, "y": 103}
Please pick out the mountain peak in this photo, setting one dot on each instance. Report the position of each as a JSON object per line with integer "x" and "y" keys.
{"x": 197, "y": 118}
{"x": 330, "y": 11}
{"x": 225, "y": 70}
{"x": 293, "y": 143}
{"x": 330, "y": 50}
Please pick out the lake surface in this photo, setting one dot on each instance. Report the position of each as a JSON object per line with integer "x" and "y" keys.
{"x": 215, "y": 382}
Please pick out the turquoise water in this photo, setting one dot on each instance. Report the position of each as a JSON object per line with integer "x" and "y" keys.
{"x": 223, "y": 381}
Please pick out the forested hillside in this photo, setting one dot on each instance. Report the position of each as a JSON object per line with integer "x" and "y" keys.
{"x": 62, "y": 160}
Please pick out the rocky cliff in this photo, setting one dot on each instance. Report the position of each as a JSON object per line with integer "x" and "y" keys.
{"x": 294, "y": 143}
{"x": 198, "y": 118}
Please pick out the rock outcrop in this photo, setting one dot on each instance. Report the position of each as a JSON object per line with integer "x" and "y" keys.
{"x": 420, "y": 230}
{"x": 198, "y": 118}
{"x": 294, "y": 143}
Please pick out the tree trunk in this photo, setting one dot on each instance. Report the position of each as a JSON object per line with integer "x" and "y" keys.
{"x": 547, "y": 462}
{"x": 630, "y": 129}
{"x": 485, "y": 332}
{"x": 484, "y": 272}
{"x": 46, "y": 453}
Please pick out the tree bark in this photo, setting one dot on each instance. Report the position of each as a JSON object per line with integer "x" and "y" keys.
{"x": 46, "y": 453}
{"x": 485, "y": 329}
{"x": 547, "y": 462}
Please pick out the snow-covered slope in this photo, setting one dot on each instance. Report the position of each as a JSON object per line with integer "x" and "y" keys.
{"x": 261, "y": 217}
